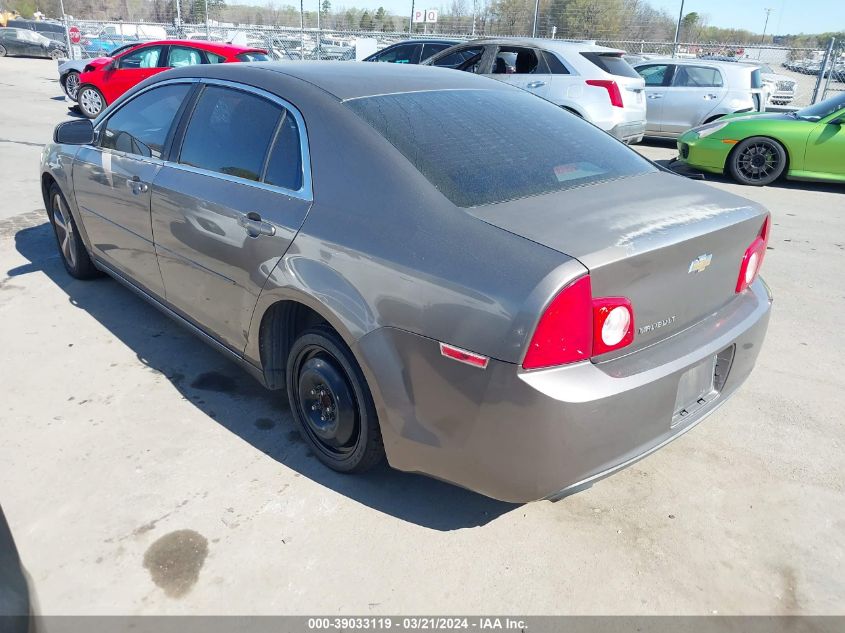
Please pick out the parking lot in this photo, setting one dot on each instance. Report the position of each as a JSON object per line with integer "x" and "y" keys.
{"x": 142, "y": 473}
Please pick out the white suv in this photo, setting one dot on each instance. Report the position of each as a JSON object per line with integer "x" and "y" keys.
{"x": 594, "y": 82}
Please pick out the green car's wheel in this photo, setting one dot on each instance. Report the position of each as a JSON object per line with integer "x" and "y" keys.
{"x": 757, "y": 161}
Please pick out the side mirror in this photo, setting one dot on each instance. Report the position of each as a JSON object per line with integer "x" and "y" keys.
{"x": 78, "y": 132}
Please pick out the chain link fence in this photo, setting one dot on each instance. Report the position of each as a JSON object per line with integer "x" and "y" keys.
{"x": 795, "y": 76}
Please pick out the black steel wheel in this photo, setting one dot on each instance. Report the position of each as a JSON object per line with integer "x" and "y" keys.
{"x": 331, "y": 402}
{"x": 757, "y": 161}
{"x": 71, "y": 248}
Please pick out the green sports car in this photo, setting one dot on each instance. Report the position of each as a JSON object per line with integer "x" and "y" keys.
{"x": 757, "y": 149}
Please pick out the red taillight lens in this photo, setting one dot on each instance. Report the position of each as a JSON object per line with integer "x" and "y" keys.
{"x": 753, "y": 258}
{"x": 613, "y": 324}
{"x": 564, "y": 333}
{"x": 612, "y": 89}
{"x": 575, "y": 327}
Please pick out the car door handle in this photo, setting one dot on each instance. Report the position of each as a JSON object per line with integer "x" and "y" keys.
{"x": 535, "y": 84}
{"x": 710, "y": 96}
{"x": 655, "y": 96}
{"x": 136, "y": 185}
{"x": 255, "y": 226}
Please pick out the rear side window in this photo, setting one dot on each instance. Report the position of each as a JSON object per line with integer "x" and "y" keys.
{"x": 141, "y": 126}
{"x": 612, "y": 63}
{"x": 230, "y": 132}
{"x": 214, "y": 58}
{"x": 253, "y": 56}
{"x": 697, "y": 77}
{"x": 541, "y": 149}
{"x": 284, "y": 167}
{"x": 556, "y": 66}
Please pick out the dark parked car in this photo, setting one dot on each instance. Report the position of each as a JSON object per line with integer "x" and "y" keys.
{"x": 29, "y": 43}
{"x": 520, "y": 309}
{"x": 53, "y": 30}
{"x": 411, "y": 51}
{"x": 17, "y": 600}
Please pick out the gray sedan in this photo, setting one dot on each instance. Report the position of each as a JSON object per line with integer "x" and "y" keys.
{"x": 438, "y": 268}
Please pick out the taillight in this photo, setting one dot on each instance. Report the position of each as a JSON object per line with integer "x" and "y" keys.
{"x": 575, "y": 327}
{"x": 752, "y": 260}
{"x": 612, "y": 90}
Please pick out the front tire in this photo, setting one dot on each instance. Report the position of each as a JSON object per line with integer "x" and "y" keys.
{"x": 71, "y": 85}
{"x": 56, "y": 54}
{"x": 757, "y": 161}
{"x": 72, "y": 250}
{"x": 91, "y": 101}
{"x": 2, "y": 51}
{"x": 331, "y": 402}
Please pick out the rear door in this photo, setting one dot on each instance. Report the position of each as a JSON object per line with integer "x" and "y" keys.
{"x": 178, "y": 56}
{"x": 522, "y": 67}
{"x": 657, "y": 79}
{"x": 694, "y": 94}
{"x": 228, "y": 204}
{"x": 112, "y": 181}
{"x": 468, "y": 58}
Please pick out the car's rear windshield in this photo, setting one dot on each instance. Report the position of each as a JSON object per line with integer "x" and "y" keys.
{"x": 612, "y": 63}
{"x": 480, "y": 147}
{"x": 253, "y": 56}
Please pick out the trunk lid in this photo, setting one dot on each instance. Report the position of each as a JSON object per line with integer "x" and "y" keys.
{"x": 671, "y": 245}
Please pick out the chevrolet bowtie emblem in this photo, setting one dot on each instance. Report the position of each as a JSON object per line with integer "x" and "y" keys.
{"x": 700, "y": 263}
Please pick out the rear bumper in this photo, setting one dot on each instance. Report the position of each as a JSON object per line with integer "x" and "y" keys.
{"x": 520, "y": 436}
{"x": 629, "y": 132}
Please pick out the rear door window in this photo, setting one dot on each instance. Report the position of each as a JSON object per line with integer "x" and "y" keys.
{"x": 697, "y": 77}
{"x": 142, "y": 125}
{"x": 433, "y": 49}
{"x": 253, "y": 56}
{"x": 230, "y": 132}
{"x": 459, "y": 58}
{"x": 542, "y": 148}
{"x": 284, "y": 166}
{"x": 612, "y": 63}
{"x": 183, "y": 56}
{"x": 518, "y": 60}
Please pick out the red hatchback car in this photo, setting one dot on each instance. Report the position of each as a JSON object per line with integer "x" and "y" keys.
{"x": 103, "y": 80}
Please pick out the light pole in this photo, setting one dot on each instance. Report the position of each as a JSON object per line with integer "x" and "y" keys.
{"x": 678, "y": 30}
{"x": 765, "y": 26}
{"x": 536, "y": 11}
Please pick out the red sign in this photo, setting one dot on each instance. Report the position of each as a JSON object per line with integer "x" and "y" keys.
{"x": 74, "y": 34}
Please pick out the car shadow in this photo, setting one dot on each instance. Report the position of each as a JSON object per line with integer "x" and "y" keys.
{"x": 682, "y": 169}
{"x": 228, "y": 395}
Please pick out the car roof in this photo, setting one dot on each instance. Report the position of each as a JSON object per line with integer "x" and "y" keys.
{"x": 426, "y": 40}
{"x": 349, "y": 80}
{"x": 204, "y": 44}
{"x": 697, "y": 61}
{"x": 549, "y": 44}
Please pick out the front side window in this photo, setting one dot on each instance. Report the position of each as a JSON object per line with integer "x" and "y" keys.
{"x": 146, "y": 57}
{"x": 404, "y": 54}
{"x": 654, "y": 75}
{"x": 183, "y": 56}
{"x": 697, "y": 77}
{"x": 141, "y": 126}
{"x": 459, "y": 58}
{"x": 230, "y": 132}
{"x": 542, "y": 149}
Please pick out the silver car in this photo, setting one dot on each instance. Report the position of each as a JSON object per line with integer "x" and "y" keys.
{"x": 685, "y": 93}
{"x": 594, "y": 82}
{"x": 438, "y": 268}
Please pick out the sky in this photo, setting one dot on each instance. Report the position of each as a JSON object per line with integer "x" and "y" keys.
{"x": 787, "y": 17}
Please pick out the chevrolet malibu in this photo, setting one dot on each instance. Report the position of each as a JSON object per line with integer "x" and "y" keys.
{"x": 520, "y": 308}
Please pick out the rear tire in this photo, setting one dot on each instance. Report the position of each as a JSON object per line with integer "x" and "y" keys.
{"x": 91, "y": 101}
{"x": 57, "y": 54}
{"x": 72, "y": 250}
{"x": 331, "y": 402}
{"x": 2, "y": 51}
{"x": 757, "y": 161}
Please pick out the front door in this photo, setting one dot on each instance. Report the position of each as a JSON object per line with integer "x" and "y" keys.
{"x": 131, "y": 69}
{"x": 226, "y": 211}
{"x": 522, "y": 67}
{"x": 826, "y": 147}
{"x": 694, "y": 94}
{"x": 113, "y": 182}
